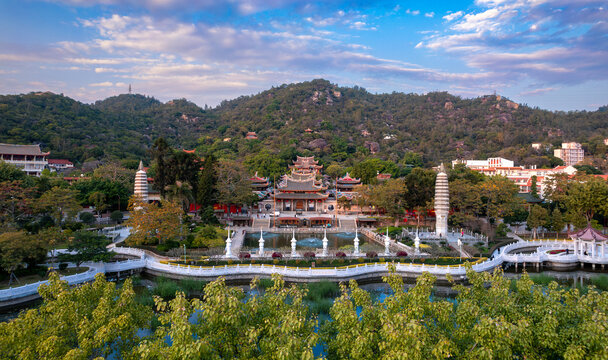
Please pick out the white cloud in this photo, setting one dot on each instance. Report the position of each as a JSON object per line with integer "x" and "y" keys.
{"x": 429, "y": 14}
{"x": 412, "y": 12}
{"x": 453, "y": 16}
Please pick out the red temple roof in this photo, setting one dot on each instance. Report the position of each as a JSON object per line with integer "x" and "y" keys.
{"x": 347, "y": 179}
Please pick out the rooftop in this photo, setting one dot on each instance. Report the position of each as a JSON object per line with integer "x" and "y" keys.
{"x": 14, "y": 149}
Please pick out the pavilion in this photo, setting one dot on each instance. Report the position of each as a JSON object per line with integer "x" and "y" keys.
{"x": 590, "y": 242}
{"x": 259, "y": 183}
{"x": 306, "y": 165}
{"x": 347, "y": 183}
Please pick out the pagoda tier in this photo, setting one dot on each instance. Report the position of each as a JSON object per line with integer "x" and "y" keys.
{"x": 305, "y": 165}
{"x": 347, "y": 183}
{"x": 259, "y": 183}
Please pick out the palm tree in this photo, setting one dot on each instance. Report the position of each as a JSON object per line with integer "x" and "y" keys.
{"x": 181, "y": 192}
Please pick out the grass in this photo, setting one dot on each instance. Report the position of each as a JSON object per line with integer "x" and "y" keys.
{"x": 600, "y": 282}
{"x": 166, "y": 288}
{"x": 191, "y": 286}
{"x": 542, "y": 279}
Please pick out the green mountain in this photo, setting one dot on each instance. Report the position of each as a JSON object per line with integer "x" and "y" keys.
{"x": 347, "y": 124}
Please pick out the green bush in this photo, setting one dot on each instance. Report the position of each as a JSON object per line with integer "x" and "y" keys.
{"x": 322, "y": 289}
{"x": 87, "y": 218}
{"x": 192, "y": 285}
{"x": 116, "y": 215}
{"x": 168, "y": 245}
{"x": 600, "y": 282}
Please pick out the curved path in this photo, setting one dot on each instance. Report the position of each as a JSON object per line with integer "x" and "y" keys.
{"x": 154, "y": 264}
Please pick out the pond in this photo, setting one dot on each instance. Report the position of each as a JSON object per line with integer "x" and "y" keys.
{"x": 309, "y": 241}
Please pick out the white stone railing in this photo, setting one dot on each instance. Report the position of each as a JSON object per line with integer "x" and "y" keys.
{"x": 155, "y": 262}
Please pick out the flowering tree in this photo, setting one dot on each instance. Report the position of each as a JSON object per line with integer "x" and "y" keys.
{"x": 154, "y": 224}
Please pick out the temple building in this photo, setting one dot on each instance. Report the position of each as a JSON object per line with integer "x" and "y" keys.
{"x": 305, "y": 165}
{"x": 28, "y": 158}
{"x": 259, "y": 183}
{"x": 442, "y": 203}
{"x": 347, "y": 183}
{"x": 300, "y": 190}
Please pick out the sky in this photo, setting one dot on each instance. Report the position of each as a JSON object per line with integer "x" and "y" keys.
{"x": 551, "y": 54}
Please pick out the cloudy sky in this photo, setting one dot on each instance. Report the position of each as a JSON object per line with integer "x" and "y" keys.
{"x": 547, "y": 53}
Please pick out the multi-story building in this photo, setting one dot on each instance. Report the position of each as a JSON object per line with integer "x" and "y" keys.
{"x": 60, "y": 164}
{"x": 572, "y": 153}
{"x": 28, "y": 158}
{"x": 522, "y": 177}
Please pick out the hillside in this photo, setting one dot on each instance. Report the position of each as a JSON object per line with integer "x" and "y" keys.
{"x": 346, "y": 123}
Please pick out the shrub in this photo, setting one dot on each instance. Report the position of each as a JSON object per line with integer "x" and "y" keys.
{"x": 360, "y": 260}
{"x": 371, "y": 254}
{"x": 309, "y": 254}
{"x": 277, "y": 255}
{"x": 382, "y": 259}
{"x": 116, "y": 215}
{"x": 340, "y": 254}
{"x": 168, "y": 245}
{"x": 401, "y": 253}
{"x": 87, "y": 217}
{"x": 63, "y": 266}
{"x": 275, "y": 261}
{"x": 244, "y": 255}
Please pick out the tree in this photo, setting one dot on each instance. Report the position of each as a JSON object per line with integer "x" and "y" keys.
{"x": 18, "y": 249}
{"x": 207, "y": 194}
{"x": 161, "y": 155}
{"x": 273, "y": 325}
{"x": 98, "y": 199}
{"x": 59, "y": 202}
{"x": 420, "y": 184}
{"x": 233, "y": 185}
{"x": 93, "y": 320}
{"x": 87, "y": 218}
{"x": 154, "y": 224}
{"x": 87, "y": 246}
{"x": 116, "y": 216}
{"x": 533, "y": 188}
{"x": 557, "y": 221}
{"x": 9, "y": 172}
{"x": 539, "y": 216}
{"x": 334, "y": 171}
{"x": 15, "y": 201}
{"x": 367, "y": 170}
{"x": 585, "y": 197}
{"x": 180, "y": 192}
{"x": 499, "y": 197}
{"x": 113, "y": 171}
{"x": 465, "y": 200}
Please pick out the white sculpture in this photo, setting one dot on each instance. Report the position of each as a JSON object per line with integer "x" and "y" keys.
{"x": 325, "y": 241}
{"x": 261, "y": 243}
{"x": 356, "y": 251}
{"x": 387, "y": 243}
{"x": 228, "y": 245}
{"x": 293, "y": 244}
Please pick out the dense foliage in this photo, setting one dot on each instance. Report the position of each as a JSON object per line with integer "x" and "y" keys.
{"x": 347, "y": 124}
{"x": 493, "y": 318}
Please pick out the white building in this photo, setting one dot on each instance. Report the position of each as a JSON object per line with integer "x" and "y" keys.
{"x": 60, "y": 164}
{"x": 482, "y": 164}
{"x": 572, "y": 153}
{"x": 521, "y": 176}
{"x": 28, "y": 158}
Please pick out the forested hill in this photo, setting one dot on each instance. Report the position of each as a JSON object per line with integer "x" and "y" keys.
{"x": 347, "y": 124}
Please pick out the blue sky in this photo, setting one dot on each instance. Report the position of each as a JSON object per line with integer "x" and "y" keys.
{"x": 547, "y": 53}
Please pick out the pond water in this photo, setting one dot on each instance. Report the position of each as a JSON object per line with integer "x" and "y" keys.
{"x": 309, "y": 241}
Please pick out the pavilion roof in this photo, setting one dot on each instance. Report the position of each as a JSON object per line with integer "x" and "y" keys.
{"x": 256, "y": 178}
{"x": 300, "y": 196}
{"x": 588, "y": 234}
{"x": 348, "y": 179}
{"x": 300, "y": 185}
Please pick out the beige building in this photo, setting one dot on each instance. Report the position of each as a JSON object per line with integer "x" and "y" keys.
{"x": 572, "y": 153}
{"x": 28, "y": 158}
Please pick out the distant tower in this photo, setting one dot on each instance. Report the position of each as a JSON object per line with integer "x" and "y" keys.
{"x": 141, "y": 183}
{"x": 129, "y": 89}
{"x": 442, "y": 203}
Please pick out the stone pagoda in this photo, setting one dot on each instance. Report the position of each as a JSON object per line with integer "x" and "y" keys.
{"x": 141, "y": 183}
{"x": 442, "y": 203}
